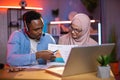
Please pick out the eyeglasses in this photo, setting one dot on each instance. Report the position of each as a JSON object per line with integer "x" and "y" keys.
{"x": 75, "y": 30}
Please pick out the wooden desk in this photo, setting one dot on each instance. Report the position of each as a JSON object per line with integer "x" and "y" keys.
{"x": 43, "y": 75}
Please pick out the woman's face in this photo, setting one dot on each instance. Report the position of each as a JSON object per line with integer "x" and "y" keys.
{"x": 75, "y": 31}
{"x": 35, "y": 29}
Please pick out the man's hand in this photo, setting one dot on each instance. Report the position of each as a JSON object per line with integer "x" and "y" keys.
{"x": 46, "y": 54}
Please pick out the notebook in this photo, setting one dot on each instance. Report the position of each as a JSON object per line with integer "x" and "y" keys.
{"x": 82, "y": 60}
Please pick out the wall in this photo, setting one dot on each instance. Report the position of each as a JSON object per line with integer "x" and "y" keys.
{"x": 111, "y": 19}
{"x": 72, "y": 5}
{"x": 3, "y": 35}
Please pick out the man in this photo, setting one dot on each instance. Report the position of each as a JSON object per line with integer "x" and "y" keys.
{"x": 29, "y": 45}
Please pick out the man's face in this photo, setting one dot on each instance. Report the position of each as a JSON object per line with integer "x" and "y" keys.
{"x": 35, "y": 29}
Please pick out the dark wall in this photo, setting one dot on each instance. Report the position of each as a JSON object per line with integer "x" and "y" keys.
{"x": 111, "y": 22}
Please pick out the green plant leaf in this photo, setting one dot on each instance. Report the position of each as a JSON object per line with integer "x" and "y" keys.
{"x": 103, "y": 60}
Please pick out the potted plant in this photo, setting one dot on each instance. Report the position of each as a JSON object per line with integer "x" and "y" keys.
{"x": 114, "y": 63}
{"x": 103, "y": 69}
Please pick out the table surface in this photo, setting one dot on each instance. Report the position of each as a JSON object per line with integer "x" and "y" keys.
{"x": 42, "y": 74}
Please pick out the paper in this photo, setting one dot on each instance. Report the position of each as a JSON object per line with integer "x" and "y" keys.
{"x": 37, "y": 66}
{"x": 55, "y": 64}
{"x": 64, "y": 50}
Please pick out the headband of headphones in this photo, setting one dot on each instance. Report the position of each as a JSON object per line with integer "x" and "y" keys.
{"x": 25, "y": 25}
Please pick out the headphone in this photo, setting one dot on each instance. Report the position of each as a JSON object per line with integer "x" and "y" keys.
{"x": 26, "y": 27}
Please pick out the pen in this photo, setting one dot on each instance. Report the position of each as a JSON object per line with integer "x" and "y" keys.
{"x": 55, "y": 51}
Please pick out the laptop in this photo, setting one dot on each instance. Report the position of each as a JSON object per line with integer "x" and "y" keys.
{"x": 82, "y": 60}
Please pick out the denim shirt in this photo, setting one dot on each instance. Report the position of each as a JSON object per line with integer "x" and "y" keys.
{"x": 18, "y": 48}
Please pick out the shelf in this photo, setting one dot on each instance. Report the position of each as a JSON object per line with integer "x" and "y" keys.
{"x": 68, "y": 22}
{"x": 94, "y": 34}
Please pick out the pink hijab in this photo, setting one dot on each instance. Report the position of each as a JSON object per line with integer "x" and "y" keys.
{"x": 81, "y": 20}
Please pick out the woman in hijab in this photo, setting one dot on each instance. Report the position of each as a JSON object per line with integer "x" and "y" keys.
{"x": 79, "y": 33}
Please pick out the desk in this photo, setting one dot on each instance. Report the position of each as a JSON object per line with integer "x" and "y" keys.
{"x": 43, "y": 75}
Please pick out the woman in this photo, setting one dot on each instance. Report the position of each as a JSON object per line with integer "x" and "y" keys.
{"x": 79, "y": 33}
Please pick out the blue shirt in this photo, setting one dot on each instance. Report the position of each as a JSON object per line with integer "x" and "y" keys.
{"x": 18, "y": 48}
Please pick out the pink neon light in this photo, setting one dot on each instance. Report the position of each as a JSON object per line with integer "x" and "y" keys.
{"x": 19, "y": 7}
